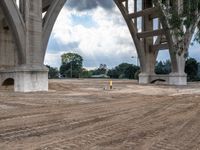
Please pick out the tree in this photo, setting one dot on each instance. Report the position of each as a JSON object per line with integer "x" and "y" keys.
{"x": 163, "y": 67}
{"x": 53, "y": 72}
{"x": 86, "y": 73}
{"x": 130, "y": 71}
{"x": 71, "y": 65}
{"x": 179, "y": 19}
{"x": 136, "y": 75}
{"x": 123, "y": 70}
{"x": 101, "y": 70}
{"x": 191, "y": 68}
{"x": 113, "y": 73}
{"x": 69, "y": 57}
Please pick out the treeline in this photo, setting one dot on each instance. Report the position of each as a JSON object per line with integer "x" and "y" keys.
{"x": 122, "y": 71}
{"x": 72, "y": 67}
{"x": 192, "y": 68}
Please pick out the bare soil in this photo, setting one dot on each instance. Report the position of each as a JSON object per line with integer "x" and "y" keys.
{"x": 86, "y": 115}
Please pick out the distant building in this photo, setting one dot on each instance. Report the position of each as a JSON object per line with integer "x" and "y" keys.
{"x": 100, "y": 76}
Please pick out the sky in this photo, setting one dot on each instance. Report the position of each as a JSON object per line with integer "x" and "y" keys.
{"x": 96, "y": 30}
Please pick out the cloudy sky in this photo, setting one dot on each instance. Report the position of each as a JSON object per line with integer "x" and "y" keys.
{"x": 96, "y": 30}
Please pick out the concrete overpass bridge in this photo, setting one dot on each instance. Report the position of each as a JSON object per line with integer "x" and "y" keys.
{"x": 25, "y": 30}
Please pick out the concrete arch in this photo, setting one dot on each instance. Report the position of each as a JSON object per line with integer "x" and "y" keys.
{"x": 4, "y": 77}
{"x": 53, "y": 11}
{"x": 133, "y": 31}
{"x": 17, "y": 26}
{"x": 8, "y": 82}
{"x": 53, "y": 8}
{"x": 49, "y": 21}
{"x": 147, "y": 48}
{"x": 31, "y": 34}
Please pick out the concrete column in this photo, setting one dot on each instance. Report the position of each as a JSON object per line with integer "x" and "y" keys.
{"x": 33, "y": 21}
{"x": 8, "y": 52}
{"x": 31, "y": 75}
{"x": 178, "y": 75}
{"x": 150, "y": 55}
{"x": 146, "y": 48}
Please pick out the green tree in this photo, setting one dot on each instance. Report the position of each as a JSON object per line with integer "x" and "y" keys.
{"x": 101, "y": 70}
{"x": 71, "y": 65}
{"x": 86, "y": 73}
{"x": 136, "y": 75}
{"x": 191, "y": 68}
{"x": 179, "y": 19}
{"x": 163, "y": 67}
{"x": 53, "y": 72}
{"x": 130, "y": 71}
{"x": 123, "y": 70}
{"x": 113, "y": 73}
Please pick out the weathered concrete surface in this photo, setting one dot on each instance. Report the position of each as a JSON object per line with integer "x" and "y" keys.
{"x": 171, "y": 79}
{"x": 31, "y": 80}
{"x": 26, "y": 78}
{"x": 21, "y": 53}
{"x": 24, "y": 35}
{"x": 8, "y": 49}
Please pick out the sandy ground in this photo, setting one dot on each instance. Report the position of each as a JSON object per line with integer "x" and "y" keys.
{"x": 86, "y": 115}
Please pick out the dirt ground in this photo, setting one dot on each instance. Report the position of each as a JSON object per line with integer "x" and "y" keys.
{"x": 86, "y": 115}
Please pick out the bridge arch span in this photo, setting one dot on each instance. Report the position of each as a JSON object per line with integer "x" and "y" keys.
{"x": 147, "y": 48}
{"x": 49, "y": 20}
{"x": 31, "y": 32}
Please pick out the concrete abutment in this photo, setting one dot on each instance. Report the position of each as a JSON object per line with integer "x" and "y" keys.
{"x": 170, "y": 79}
{"x": 21, "y": 53}
{"x": 26, "y": 79}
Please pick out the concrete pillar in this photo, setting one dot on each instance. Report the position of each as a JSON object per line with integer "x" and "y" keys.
{"x": 26, "y": 79}
{"x": 31, "y": 75}
{"x": 33, "y": 17}
{"x": 150, "y": 55}
{"x": 146, "y": 48}
{"x": 8, "y": 52}
{"x": 178, "y": 75}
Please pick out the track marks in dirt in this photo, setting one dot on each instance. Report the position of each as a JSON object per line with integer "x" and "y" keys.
{"x": 109, "y": 120}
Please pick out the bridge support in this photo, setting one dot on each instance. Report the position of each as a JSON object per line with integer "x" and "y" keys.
{"x": 21, "y": 53}
{"x": 171, "y": 79}
{"x": 25, "y": 29}
{"x": 26, "y": 78}
{"x": 24, "y": 34}
{"x": 149, "y": 38}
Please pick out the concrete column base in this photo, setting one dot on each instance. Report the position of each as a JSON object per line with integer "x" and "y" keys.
{"x": 171, "y": 79}
{"x": 177, "y": 79}
{"x": 144, "y": 78}
{"x": 27, "y": 78}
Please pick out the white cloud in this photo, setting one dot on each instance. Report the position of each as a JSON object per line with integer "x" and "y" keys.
{"x": 52, "y": 59}
{"x": 109, "y": 41}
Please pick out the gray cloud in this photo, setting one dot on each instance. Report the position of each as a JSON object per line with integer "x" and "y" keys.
{"x": 82, "y": 5}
